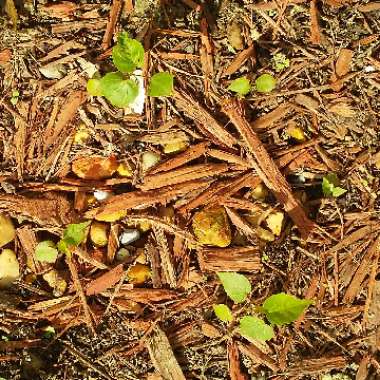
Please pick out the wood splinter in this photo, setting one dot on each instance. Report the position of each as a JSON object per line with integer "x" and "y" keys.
{"x": 267, "y": 169}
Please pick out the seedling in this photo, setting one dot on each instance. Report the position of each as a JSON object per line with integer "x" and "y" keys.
{"x": 279, "y": 309}
{"x": 15, "y": 96}
{"x": 241, "y": 86}
{"x": 74, "y": 234}
{"x": 265, "y": 83}
{"x": 123, "y": 87}
{"x": 330, "y": 186}
{"x": 280, "y": 62}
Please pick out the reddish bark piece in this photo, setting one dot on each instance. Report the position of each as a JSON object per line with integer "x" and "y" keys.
{"x": 267, "y": 169}
{"x": 234, "y": 362}
{"x": 105, "y": 281}
{"x": 111, "y": 24}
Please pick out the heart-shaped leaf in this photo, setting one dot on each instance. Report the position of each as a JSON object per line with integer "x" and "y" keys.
{"x": 281, "y": 309}
{"x": 119, "y": 92}
{"x": 235, "y": 285}
{"x": 255, "y": 328}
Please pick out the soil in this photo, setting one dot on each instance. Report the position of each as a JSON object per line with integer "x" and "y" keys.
{"x": 164, "y": 328}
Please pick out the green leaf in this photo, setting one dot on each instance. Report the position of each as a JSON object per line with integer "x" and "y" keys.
{"x": 284, "y": 308}
{"x": 240, "y": 85}
{"x": 128, "y": 54}
{"x": 63, "y": 247}
{"x": 223, "y": 312}
{"x": 330, "y": 186}
{"x": 338, "y": 191}
{"x": 161, "y": 84}
{"x": 235, "y": 285}
{"x": 255, "y": 328}
{"x": 46, "y": 252}
{"x": 119, "y": 92}
{"x": 265, "y": 83}
{"x": 93, "y": 87}
{"x": 74, "y": 234}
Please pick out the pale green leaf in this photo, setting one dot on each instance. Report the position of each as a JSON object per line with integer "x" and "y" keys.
{"x": 284, "y": 308}
{"x": 128, "y": 54}
{"x": 119, "y": 92}
{"x": 265, "y": 83}
{"x": 255, "y": 328}
{"x": 93, "y": 87}
{"x": 161, "y": 84}
{"x": 46, "y": 252}
{"x": 223, "y": 312}
{"x": 235, "y": 285}
{"x": 74, "y": 234}
{"x": 241, "y": 86}
{"x": 330, "y": 186}
{"x": 338, "y": 191}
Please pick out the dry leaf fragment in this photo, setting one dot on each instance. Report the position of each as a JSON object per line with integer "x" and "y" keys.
{"x": 211, "y": 226}
{"x": 343, "y": 62}
{"x": 264, "y": 234}
{"x": 7, "y": 230}
{"x": 56, "y": 282}
{"x": 94, "y": 167}
{"x": 342, "y": 109}
{"x": 9, "y": 268}
{"x": 234, "y": 36}
{"x": 296, "y": 132}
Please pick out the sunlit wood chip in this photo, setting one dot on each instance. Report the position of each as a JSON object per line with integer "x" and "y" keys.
{"x": 9, "y": 268}
{"x": 94, "y": 167}
{"x": 175, "y": 146}
{"x": 260, "y": 192}
{"x": 274, "y": 222}
{"x": 296, "y": 133}
{"x": 211, "y": 226}
{"x": 112, "y": 216}
{"x": 264, "y": 234}
{"x": 124, "y": 170}
{"x": 82, "y": 135}
{"x": 7, "y": 230}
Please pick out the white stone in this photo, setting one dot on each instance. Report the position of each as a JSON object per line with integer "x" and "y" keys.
{"x": 129, "y": 236}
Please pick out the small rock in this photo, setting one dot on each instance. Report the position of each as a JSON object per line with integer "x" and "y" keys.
{"x": 7, "y": 230}
{"x": 101, "y": 195}
{"x": 122, "y": 254}
{"x": 212, "y": 227}
{"x": 149, "y": 159}
{"x": 99, "y": 234}
{"x": 129, "y": 236}
{"x": 138, "y": 273}
{"x": 9, "y": 268}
